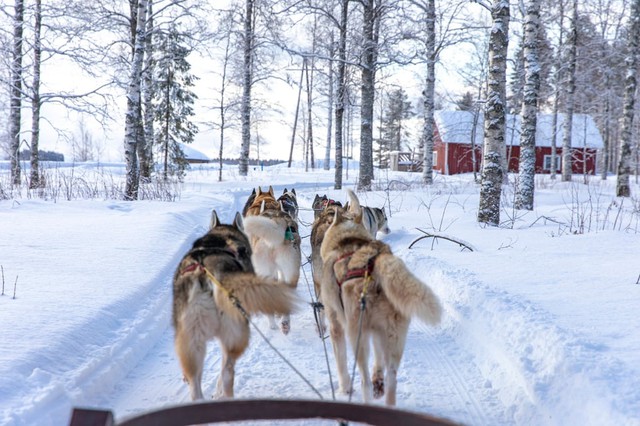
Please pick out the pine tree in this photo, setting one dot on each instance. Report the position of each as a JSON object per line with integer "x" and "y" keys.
{"x": 394, "y": 134}
{"x": 466, "y": 102}
{"x": 173, "y": 102}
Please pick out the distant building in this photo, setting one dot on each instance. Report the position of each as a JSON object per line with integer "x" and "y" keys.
{"x": 453, "y": 152}
{"x": 193, "y": 156}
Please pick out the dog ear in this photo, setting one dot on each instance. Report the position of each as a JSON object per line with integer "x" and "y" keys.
{"x": 237, "y": 222}
{"x": 271, "y": 191}
{"x": 284, "y": 191}
{"x": 214, "y": 220}
{"x": 354, "y": 206}
{"x": 294, "y": 191}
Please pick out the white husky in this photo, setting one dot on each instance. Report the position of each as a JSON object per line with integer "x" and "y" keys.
{"x": 276, "y": 251}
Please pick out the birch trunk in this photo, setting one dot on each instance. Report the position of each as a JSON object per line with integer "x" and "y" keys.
{"x": 133, "y": 119}
{"x": 527, "y": 167}
{"x": 247, "y": 77}
{"x": 223, "y": 106}
{"x": 36, "y": 103}
{"x": 341, "y": 92}
{"x": 145, "y": 150}
{"x": 429, "y": 93}
{"x": 557, "y": 92}
{"x": 570, "y": 85}
{"x": 624, "y": 163}
{"x": 494, "y": 117}
{"x": 327, "y": 152}
{"x": 369, "y": 54}
{"x": 16, "y": 92}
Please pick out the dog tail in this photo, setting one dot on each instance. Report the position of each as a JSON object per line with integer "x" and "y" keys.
{"x": 406, "y": 293}
{"x": 264, "y": 228}
{"x": 258, "y": 295}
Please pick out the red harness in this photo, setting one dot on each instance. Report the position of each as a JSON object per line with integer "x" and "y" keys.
{"x": 355, "y": 272}
{"x": 191, "y": 268}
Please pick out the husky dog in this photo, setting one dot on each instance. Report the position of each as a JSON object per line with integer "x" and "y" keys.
{"x": 275, "y": 242}
{"x": 289, "y": 201}
{"x": 254, "y": 204}
{"x": 375, "y": 220}
{"x": 318, "y": 229}
{"x": 249, "y": 202}
{"x": 214, "y": 290}
{"x": 319, "y": 203}
{"x": 360, "y": 270}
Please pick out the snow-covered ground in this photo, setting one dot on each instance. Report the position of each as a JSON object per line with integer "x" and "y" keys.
{"x": 541, "y": 324}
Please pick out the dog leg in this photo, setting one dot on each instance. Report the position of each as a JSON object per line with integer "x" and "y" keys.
{"x": 191, "y": 355}
{"x": 362, "y": 361}
{"x": 340, "y": 352}
{"x": 377, "y": 377}
{"x": 285, "y": 324}
{"x": 393, "y": 356}
{"x": 272, "y": 322}
{"x": 227, "y": 374}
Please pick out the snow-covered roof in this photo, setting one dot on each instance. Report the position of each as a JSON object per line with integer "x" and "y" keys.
{"x": 192, "y": 153}
{"x": 455, "y": 127}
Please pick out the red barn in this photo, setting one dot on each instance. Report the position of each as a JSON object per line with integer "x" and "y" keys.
{"x": 454, "y": 139}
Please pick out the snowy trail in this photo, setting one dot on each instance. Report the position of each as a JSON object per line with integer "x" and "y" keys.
{"x": 441, "y": 381}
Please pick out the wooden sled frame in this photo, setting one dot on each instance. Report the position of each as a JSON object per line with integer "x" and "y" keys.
{"x": 260, "y": 409}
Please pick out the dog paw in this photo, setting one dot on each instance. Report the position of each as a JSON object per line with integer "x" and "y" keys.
{"x": 378, "y": 387}
{"x": 285, "y": 327}
{"x": 347, "y": 390}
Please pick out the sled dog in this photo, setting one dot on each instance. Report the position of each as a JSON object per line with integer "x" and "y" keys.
{"x": 318, "y": 229}
{"x": 275, "y": 242}
{"x": 357, "y": 266}
{"x": 248, "y": 203}
{"x": 254, "y": 204}
{"x": 374, "y": 220}
{"x": 289, "y": 202}
{"x": 212, "y": 282}
{"x": 319, "y": 203}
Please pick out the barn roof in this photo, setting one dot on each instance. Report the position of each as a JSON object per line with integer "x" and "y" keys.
{"x": 192, "y": 153}
{"x": 455, "y": 127}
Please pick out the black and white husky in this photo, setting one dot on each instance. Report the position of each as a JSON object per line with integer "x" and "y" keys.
{"x": 375, "y": 220}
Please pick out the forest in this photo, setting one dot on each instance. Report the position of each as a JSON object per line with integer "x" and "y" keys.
{"x": 140, "y": 66}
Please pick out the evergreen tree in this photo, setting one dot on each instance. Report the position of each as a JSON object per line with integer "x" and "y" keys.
{"x": 173, "y": 102}
{"x": 398, "y": 109}
{"x": 466, "y": 102}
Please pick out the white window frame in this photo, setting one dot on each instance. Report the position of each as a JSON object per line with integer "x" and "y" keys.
{"x": 546, "y": 162}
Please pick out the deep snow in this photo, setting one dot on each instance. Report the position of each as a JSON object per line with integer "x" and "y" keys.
{"x": 541, "y": 323}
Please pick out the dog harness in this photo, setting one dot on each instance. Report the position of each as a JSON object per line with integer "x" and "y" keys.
{"x": 353, "y": 271}
{"x": 200, "y": 253}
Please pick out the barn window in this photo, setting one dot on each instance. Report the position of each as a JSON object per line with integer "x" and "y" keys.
{"x": 547, "y": 162}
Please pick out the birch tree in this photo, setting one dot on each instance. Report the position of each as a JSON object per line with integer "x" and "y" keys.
{"x": 429, "y": 92}
{"x": 341, "y": 90}
{"x": 527, "y": 168}
{"x": 623, "y": 188}
{"x": 330, "y": 101}
{"x": 557, "y": 93}
{"x": 570, "y": 87}
{"x": 132, "y": 117}
{"x": 247, "y": 82}
{"x": 372, "y": 14}
{"x": 16, "y": 91}
{"x": 145, "y": 149}
{"x": 35, "y": 181}
{"x": 494, "y": 116}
